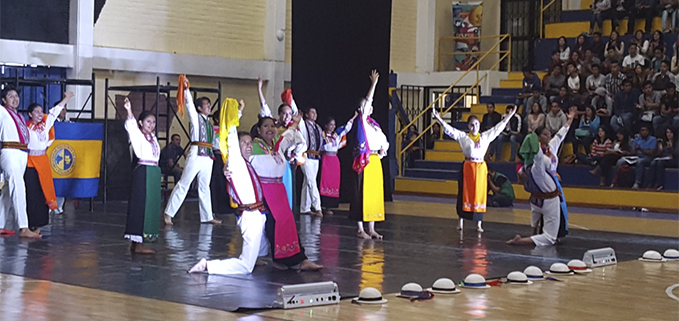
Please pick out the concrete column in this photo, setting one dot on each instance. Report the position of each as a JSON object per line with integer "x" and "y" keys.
{"x": 81, "y": 36}
{"x": 426, "y": 36}
{"x": 274, "y": 51}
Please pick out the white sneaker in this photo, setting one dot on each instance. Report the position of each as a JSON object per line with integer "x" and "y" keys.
{"x": 635, "y": 186}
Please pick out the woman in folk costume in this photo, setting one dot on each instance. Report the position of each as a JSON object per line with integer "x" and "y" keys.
{"x": 143, "y": 209}
{"x": 330, "y": 165}
{"x": 367, "y": 203}
{"x": 218, "y": 185}
{"x": 286, "y": 111}
{"x": 270, "y": 163}
{"x": 473, "y": 180}
{"x": 546, "y": 199}
{"x": 245, "y": 190}
{"x": 40, "y": 196}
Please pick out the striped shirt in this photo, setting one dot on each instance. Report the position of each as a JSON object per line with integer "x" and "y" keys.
{"x": 599, "y": 149}
{"x": 614, "y": 84}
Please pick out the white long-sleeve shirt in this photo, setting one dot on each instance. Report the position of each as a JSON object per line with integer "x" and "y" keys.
{"x": 8, "y": 128}
{"x": 39, "y": 134}
{"x": 469, "y": 149}
{"x": 195, "y": 118}
{"x": 146, "y": 147}
{"x": 240, "y": 176}
{"x": 333, "y": 143}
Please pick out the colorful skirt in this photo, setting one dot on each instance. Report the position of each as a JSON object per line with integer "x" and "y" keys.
{"x": 36, "y": 207}
{"x": 285, "y": 242}
{"x": 42, "y": 165}
{"x": 367, "y": 205}
{"x": 330, "y": 176}
{"x": 289, "y": 183}
{"x": 563, "y": 220}
{"x": 143, "y": 209}
{"x": 472, "y": 191}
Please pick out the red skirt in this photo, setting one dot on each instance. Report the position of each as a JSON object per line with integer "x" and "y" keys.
{"x": 330, "y": 176}
{"x": 286, "y": 242}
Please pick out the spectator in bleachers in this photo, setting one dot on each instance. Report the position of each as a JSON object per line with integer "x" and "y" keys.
{"x": 656, "y": 42}
{"x": 639, "y": 77}
{"x": 641, "y": 9}
{"x": 599, "y": 8}
{"x": 511, "y": 133}
{"x": 587, "y": 130}
{"x": 563, "y": 49}
{"x": 638, "y": 39}
{"x": 595, "y": 80}
{"x": 554, "y": 82}
{"x": 576, "y": 60}
{"x": 555, "y": 62}
{"x": 633, "y": 60}
{"x": 624, "y": 106}
{"x": 658, "y": 58}
{"x": 616, "y": 45}
{"x": 663, "y": 78}
{"x": 580, "y": 46}
{"x": 589, "y": 61}
{"x": 597, "y": 150}
{"x": 674, "y": 63}
{"x": 606, "y": 64}
{"x": 669, "y": 11}
{"x": 563, "y": 99}
{"x": 597, "y": 45}
{"x": 535, "y": 119}
{"x": 669, "y": 111}
{"x": 538, "y": 98}
{"x": 668, "y": 154}
{"x": 489, "y": 120}
{"x": 415, "y": 151}
{"x": 621, "y": 147}
{"x": 434, "y": 135}
{"x": 501, "y": 188}
{"x": 614, "y": 80}
{"x": 169, "y": 157}
{"x": 530, "y": 82}
{"x": 602, "y": 103}
{"x": 649, "y": 104}
{"x": 575, "y": 83}
{"x": 644, "y": 148}
{"x": 555, "y": 119}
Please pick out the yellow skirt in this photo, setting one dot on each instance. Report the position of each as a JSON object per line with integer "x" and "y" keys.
{"x": 373, "y": 191}
{"x": 475, "y": 187}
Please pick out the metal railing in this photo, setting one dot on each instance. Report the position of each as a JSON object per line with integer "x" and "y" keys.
{"x": 448, "y": 48}
{"x": 506, "y": 54}
{"x": 543, "y": 8}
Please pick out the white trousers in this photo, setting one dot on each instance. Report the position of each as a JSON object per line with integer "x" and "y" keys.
{"x": 550, "y": 211}
{"x": 255, "y": 244}
{"x": 60, "y": 203}
{"x": 200, "y": 166}
{"x": 13, "y": 163}
{"x": 310, "y": 195}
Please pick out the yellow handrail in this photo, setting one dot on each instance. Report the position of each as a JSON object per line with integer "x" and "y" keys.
{"x": 443, "y": 53}
{"x": 506, "y": 54}
{"x": 543, "y": 8}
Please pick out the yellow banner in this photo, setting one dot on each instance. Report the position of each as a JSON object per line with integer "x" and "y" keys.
{"x": 75, "y": 158}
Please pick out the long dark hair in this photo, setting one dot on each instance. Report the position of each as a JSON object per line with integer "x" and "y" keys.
{"x": 253, "y": 131}
{"x": 624, "y": 144}
{"x": 606, "y": 131}
{"x": 145, "y": 114}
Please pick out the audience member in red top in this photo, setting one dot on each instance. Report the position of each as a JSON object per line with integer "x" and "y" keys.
{"x": 598, "y": 149}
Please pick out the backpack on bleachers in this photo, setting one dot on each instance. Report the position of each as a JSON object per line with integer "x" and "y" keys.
{"x": 624, "y": 177}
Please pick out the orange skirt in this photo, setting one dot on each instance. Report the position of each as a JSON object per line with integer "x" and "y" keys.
{"x": 474, "y": 187}
{"x": 42, "y": 166}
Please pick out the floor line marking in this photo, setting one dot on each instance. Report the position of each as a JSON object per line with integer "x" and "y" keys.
{"x": 670, "y": 289}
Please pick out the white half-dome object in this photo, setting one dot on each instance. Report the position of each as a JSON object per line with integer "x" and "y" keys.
{"x": 370, "y": 296}
{"x": 559, "y": 269}
{"x": 671, "y": 255}
{"x": 444, "y": 286}
{"x": 517, "y": 277}
{"x": 578, "y": 266}
{"x": 411, "y": 287}
{"x": 652, "y": 256}
{"x": 534, "y": 273}
{"x": 475, "y": 281}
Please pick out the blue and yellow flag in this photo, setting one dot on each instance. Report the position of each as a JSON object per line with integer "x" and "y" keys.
{"x": 75, "y": 156}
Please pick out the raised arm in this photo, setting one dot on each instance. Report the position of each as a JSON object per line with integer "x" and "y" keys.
{"x": 264, "y": 110}
{"x": 188, "y": 101}
{"x": 131, "y": 126}
{"x": 292, "y": 142}
{"x": 235, "y": 162}
{"x": 56, "y": 110}
{"x": 374, "y": 77}
{"x": 492, "y": 133}
{"x": 561, "y": 134}
{"x": 343, "y": 131}
{"x": 451, "y": 131}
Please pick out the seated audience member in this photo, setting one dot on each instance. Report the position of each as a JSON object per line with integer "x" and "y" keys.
{"x": 415, "y": 151}
{"x": 614, "y": 79}
{"x": 538, "y": 98}
{"x": 662, "y": 79}
{"x": 644, "y": 147}
{"x": 624, "y": 107}
{"x": 669, "y": 111}
{"x": 555, "y": 119}
{"x": 674, "y": 62}
{"x": 633, "y": 60}
{"x": 530, "y": 81}
{"x": 588, "y": 62}
{"x": 563, "y": 99}
{"x": 641, "y": 9}
{"x": 512, "y": 134}
{"x": 595, "y": 80}
{"x": 574, "y": 82}
{"x": 556, "y": 61}
{"x": 603, "y": 104}
{"x": 658, "y": 58}
{"x": 599, "y": 8}
{"x": 597, "y": 45}
{"x": 587, "y": 130}
{"x": 639, "y": 41}
{"x": 490, "y": 119}
{"x": 669, "y": 11}
{"x": 169, "y": 157}
{"x": 535, "y": 119}
{"x": 597, "y": 150}
{"x": 649, "y": 103}
{"x": 434, "y": 135}
{"x": 655, "y": 43}
{"x": 621, "y": 147}
{"x": 501, "y": 190}
{"x": 614, "y": 43}
{"x": 554, "y": 81}
{"x": 563, "y": 49}
{"x": 668, "y": 154}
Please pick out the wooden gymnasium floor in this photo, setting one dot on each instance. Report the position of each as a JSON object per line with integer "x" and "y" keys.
{"x": 81, "y": 271}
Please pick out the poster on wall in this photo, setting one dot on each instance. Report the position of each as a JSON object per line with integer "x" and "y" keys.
{"x": 467, "y": 18}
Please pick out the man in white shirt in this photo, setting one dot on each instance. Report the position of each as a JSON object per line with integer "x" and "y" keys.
{"x": 595, "y": 80}
{"x": 633, "y": 60}
{"x": 313, "y": 135}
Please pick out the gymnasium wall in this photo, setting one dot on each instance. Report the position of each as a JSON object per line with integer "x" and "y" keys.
{"x": 403, "y": 35}
{"x": 221, "y": 28}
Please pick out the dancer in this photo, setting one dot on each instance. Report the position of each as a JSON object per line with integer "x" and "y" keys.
{"x": 245, "y": 191}
{"x": 367, "y": 203}
{"x": 13, "y": 159}
{"x": 270, "y": 164}
{"x": 218, "y": 183}
{"x": 330, "y": 165}
{"x": 143, "y": 209}
{"x": 472, "y": 187}
{"x": 540, "y": 180}
{"x": 199, "y": 161}
{"x": 312, "y": 134}
{"x": 40, "y": 195}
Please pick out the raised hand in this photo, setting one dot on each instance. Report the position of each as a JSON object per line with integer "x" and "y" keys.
{"x": 241, "y": 106}
{"x": 260, "y": 82}
{"x": 227, "y": 173}
{"x": 69, "y": 95}
{"x": 374, "y": 76}
{"x": 186, "y": 82}
{"x": 435, "y": 113}
{"x": 296, "y": 119}
{"x": 127, "y": 105}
